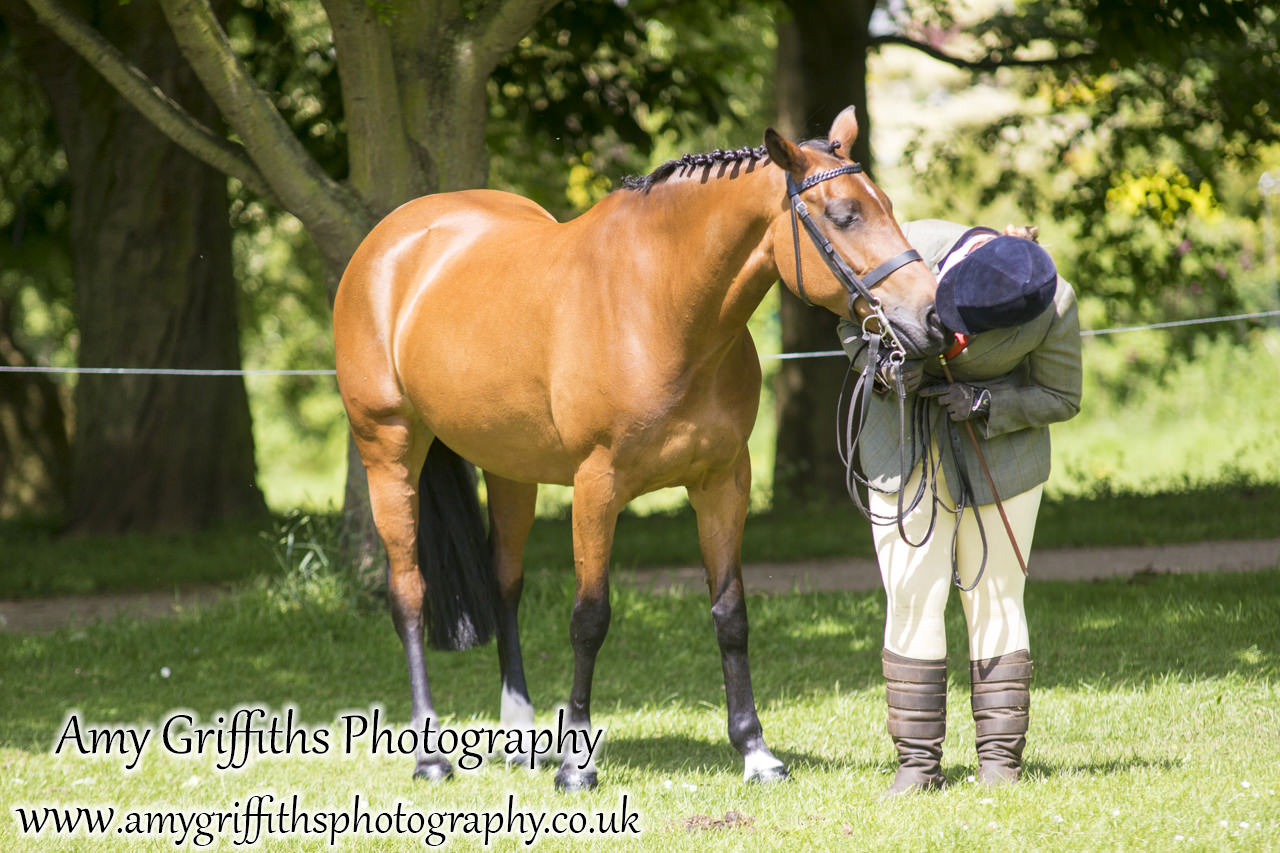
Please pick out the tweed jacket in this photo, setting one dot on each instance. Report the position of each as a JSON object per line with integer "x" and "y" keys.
{"x": 1032, "y": 372}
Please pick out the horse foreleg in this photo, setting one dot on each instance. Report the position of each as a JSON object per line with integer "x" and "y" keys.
{"x": 393, "y": 451}
{"x": 595, "y": 515}
{"x": 511, "y": 511}
{"x": 721, "y": 507}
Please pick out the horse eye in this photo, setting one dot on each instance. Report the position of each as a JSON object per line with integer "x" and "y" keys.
{"x": 842, "y": 212}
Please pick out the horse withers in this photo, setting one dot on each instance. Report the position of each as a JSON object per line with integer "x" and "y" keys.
{"x": 610, "y": 353}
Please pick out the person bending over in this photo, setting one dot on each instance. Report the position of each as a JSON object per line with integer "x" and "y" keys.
{"x": 1016, "y": 365}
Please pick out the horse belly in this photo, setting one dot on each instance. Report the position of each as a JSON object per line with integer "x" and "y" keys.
{"x": 501, "y": 426}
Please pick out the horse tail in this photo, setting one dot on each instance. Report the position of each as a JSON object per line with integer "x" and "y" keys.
{"x": 453, "y": 554}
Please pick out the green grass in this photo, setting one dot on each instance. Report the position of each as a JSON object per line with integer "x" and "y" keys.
{"x": 37, "y": 561}
{"x": 1156, "y": 419}
{"x": 1154, "y": 723}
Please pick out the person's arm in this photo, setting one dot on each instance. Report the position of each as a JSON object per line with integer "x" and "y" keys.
{"x": 1055, "y": 374}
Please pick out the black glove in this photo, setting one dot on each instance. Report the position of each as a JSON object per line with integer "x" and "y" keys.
{"x": 911, "y": 370}
{"x": 961, "y": 400}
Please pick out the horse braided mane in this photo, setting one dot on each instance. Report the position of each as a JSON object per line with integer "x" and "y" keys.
{"x": 690, "y": 162}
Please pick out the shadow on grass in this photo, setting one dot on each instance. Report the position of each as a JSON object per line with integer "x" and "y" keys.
{"x": 1040, "y": 771}
{"x": 40, "y": 562}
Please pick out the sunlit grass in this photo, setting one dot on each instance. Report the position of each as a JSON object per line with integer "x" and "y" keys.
{"x": 1154, "y": 719}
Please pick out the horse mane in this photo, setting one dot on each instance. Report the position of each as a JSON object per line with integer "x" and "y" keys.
{"x": 709, "y": 159}
{"x": 690, "y": 162}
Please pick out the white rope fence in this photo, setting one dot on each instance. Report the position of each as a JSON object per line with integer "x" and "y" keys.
{"x": 785, "y": 356}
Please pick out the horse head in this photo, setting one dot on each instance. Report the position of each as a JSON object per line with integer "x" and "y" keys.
{"x": 854, "y": 259}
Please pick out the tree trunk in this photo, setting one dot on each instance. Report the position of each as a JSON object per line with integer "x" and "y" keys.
{"x": 35, "y": 452}
{"x": 822, "y": 68}
{"x": 151, "y": 251}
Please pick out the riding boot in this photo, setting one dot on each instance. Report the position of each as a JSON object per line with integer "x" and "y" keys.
{"x": 917, "y": 694}
{"x": 1001, "y": 700}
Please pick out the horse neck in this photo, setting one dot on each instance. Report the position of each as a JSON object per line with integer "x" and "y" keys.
{"x": 714, "y": 232}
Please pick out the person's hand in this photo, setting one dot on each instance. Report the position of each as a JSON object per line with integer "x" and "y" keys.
{"x": 911, "y": 370}
{"x": 961, "y": 400}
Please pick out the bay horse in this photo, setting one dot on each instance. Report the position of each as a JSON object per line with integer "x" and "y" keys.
{"x": 609, "y": 352}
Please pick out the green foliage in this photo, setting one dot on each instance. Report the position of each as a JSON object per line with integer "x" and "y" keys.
{"x": 300, "y": 429}
{"x": 1138, "y": 156}
{"x": 35, "y": 268}
{"x": 601, "y": 89}
{"x": 289, "y": 50}
{"x": 1157, "y": 419}
{"x": 307, "y": 550}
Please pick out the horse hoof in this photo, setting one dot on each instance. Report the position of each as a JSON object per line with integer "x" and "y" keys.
{"x": 437, "y": 772}
{"x": 520, "y": 760}
{"x": 769, "y": 775}
{"x": 569, "y": 780}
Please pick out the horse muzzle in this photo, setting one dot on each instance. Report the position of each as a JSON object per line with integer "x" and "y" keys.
{"x": 920, "y": 332}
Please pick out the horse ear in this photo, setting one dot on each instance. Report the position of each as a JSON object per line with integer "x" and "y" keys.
{"x": 785, "y": 153}
{"x": 844, "y": 130}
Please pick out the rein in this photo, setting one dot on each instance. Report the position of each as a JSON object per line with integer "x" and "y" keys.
{"x": 914, "y": 438}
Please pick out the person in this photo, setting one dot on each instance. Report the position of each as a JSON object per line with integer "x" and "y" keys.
{"x": 1016, "y": 366}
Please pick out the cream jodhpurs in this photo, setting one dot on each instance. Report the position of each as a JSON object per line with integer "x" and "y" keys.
{"x": 917, "y": 580}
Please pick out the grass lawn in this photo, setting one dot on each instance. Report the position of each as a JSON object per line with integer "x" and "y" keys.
{"x": 1155, "y": 720}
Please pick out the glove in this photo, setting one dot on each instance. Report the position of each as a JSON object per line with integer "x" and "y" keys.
{"x": 961, "y": 400}
{"x": 911, "y": 370}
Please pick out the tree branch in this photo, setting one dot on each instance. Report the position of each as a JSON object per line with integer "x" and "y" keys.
{"x": 334, "y": 215}
{"x": 499, "y": 26}
{"x": 147, "y": 98}
{"x": 381, "y": 161}
{"x": 987, "y": 63}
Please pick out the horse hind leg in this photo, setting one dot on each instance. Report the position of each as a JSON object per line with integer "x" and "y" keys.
{"x": 720, "y": 504}
{"x": 394, "y": 450}
{"x": 511, "y": 513}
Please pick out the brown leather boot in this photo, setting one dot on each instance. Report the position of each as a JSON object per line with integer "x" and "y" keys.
{"x": 917, "y": 694}
{"x": 1001, "y": 706}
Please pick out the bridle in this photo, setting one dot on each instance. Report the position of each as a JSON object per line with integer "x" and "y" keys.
{"x": 857, "y": 286}
{"x": 913, "y": 428}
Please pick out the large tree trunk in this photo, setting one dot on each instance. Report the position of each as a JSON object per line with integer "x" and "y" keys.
{"x": 822, "y": 68}
{"x": 152, "y": 260}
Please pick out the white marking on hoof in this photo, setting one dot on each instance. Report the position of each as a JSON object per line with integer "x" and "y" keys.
{"x": 517, "y": 712}
{"x": 762, "y": 765}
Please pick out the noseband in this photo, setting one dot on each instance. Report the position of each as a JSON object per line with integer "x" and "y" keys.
{"x": 856, "y": 285}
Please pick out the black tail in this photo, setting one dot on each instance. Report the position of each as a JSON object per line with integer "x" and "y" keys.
{"x": 453, "y": 554}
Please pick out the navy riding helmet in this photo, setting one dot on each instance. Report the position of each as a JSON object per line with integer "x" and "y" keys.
{"x": 1005, "y": 282}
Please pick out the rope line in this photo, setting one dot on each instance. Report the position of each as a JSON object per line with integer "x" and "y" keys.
{"x": 785, "y": 356}
{"x": 161, "y": 371}
{"x": 1172, "y": 323}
